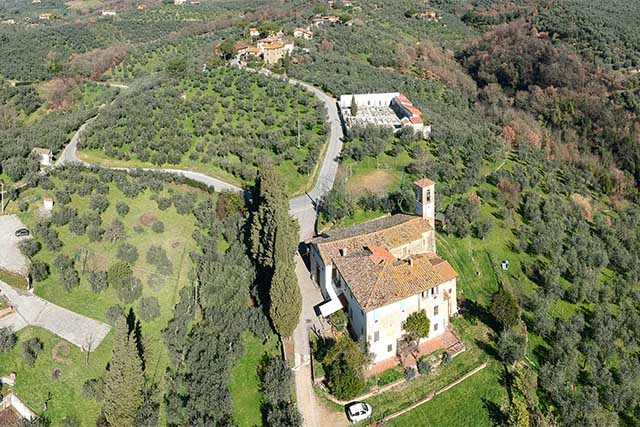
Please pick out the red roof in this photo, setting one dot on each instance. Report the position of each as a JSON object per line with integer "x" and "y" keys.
{"x": 379, "y": 254}
{"x": 404, "y": 100}
{"x": 416, "y": 120}
{"x": 413, "y": 110}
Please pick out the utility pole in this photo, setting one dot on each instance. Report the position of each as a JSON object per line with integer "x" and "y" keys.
{"x": 298, "y": 133}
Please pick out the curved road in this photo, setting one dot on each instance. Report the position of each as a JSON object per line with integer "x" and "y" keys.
{"x": 303, "y": 209}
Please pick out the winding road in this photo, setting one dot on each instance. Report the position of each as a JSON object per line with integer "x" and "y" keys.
{"x": 301, "y": 208}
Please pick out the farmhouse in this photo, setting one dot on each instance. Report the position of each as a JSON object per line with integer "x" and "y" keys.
{"x": 44, "y": 156}
{"x": 303, "y": 33}
{"x": 45, "y": 16}
{"x": 254, "y": 32}
{"x": 382, "y": 109}
{"x": 108, "y": 13}
{"x": 319, "y": 20}
{"x": 384, "y": 270}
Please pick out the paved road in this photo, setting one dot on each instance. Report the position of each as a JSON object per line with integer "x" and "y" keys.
{"x": 303, "y": 209}
{"x": 11, "y": 257}
{"x": 31, "y": 310}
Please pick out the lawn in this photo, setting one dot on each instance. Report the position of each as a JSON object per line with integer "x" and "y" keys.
{"x": 64, "y": 395}
{"x": 244, "y": 381}
{"x": 176, "y": 240}
{"x": 473, "y": 403}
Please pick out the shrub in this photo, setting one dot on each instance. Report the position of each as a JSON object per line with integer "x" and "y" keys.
{"x": 95, "y": 232}
{"x": 424, "y": 366}
{"x": 39, "y": 271}
{"x": 446, "y": 358}
{"x": 155, "y": 281}
{"x": 122, "y": 208}
{"x": 127, "y": 253}
{"x": 63, "y": 262}
{"x": 29, "y": 247}
{"x": 389, "y": 376}
{"x": 138, "y": 228}
{"x": 98, "y": 281}
{"x": 24, "y": 206}
{"x": 115, "y": 231}
{"x": 7, "y": 339}
{"x": 129, "y": 290}
{"x": 118, "y": 273}
{"x": 63, "y": 215}
{"x": 113, "y": 313}
{"x": 344, "y": 364}
{"x": 158, "y": 227}
{"x": 410, "y": 373}
{"x": 504, "y": 308}
{"x": 157, "y": 256}
{"x": 69, "y": 279}
{"x": 98, "y": 203}
{"x": 149, "y": 309}
{"x": 78, "y": 225}
{"x": 30, "y": 350}
{"x": 93, "y": 389}
{"x": 417, "y": 326}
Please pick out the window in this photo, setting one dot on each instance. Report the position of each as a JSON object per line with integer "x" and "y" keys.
{"x": 376, "y": 336}
{"x": 390, "y": 348}
{"x": 435, "y": 310}
{"x": 405, "y": 249}
{"x": 419, "y": 195}
{"x": 428, "y": 192}
{"x": 435, "y": 326}
{"x": 425, "y": 294}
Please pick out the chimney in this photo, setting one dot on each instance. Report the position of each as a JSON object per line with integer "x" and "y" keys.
{"x": 343, "y": 252}
{"x": 410, "y": 262}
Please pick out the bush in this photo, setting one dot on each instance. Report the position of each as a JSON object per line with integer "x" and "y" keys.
{"x": 389, "y": 376}
{"x": 69, "y": 279}
{"x": 95, "y": 232}
{"x": 118, "y": 273}
{"x": 63, "y": 262}
{"x": 417, "y": 326}
{"x": 127, "y": 253}
{"x": 410, "y": 373}
{"x": 30, "y": 350}
{"x": 93, "y": 389}
{"x": 122, "y": 208}
{"x": 129, "y": 290}
{"x": 98, "y": 281}
{"x": 24, "y": 206}
{"x": 344, "y": 364}
{"x": 29, "y": 247}
{"x": 7, "y": 339}
{"x": 98, "y": 203}
{"x": 158, "y": 227}
{"x": 149, "y": 309}
{"x": 78, "y": 226}
{"x": 424, "y": 366}
{"x": 157, "y": 256}
{"x": 113, "y": 313}
{"x": 39, "y": 271}
{"x": 155, "y": 281}
{"x": 138, "y": 228}
{"x": 115, "y": 231}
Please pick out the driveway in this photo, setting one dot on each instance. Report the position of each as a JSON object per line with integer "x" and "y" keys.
{"x": 11, "y": 259}
{"x": 31, "y": 310}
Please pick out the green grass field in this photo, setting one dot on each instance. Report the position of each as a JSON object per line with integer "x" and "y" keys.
{"x": 244, "y": 382}
{"x": 178, "y": 242}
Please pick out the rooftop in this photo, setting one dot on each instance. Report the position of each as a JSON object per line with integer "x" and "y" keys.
{"x": 388, "y": 231}
{"x": 376, "y": 278}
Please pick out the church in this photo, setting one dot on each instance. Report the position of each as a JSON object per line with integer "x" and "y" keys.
{"x": 384, "y": 270}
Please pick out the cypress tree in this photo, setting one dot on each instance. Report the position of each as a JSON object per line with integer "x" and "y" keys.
{"x": 354, "y": 106}
{"x": 124, "y": 381}
{"x": 285, "y": 300}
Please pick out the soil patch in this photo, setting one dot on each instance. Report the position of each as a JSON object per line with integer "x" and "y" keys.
{"x": 376, "y": 182}
{"x": 59, "y": 353}
{"x": 147, "y": 219}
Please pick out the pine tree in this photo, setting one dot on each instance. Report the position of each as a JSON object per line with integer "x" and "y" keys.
{"x": 354, "y": 107}
{"x": 124, "y": 381}
{"x": 284, "y": 295}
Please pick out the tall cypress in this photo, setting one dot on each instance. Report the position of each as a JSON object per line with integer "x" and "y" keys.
{"x": 124, "y": 381}
{"x": 285, "y": 300}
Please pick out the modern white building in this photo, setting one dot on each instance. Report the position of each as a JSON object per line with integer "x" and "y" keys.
{"x": 384, "y": 270}
{"x": 391, "y": 109}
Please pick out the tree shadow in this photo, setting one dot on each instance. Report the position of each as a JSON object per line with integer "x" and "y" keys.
{"x": 488, "y": 348}
{"x": 135, "y": 331}
{"x": 498, "y": 418}
{"x": 474, "y": 311}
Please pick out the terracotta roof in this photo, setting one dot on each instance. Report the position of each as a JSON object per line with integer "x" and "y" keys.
{"x": 444, "y": 269}
{"x": 253, "y": 49}
{"x": 413, "y": 110}
{"x": 424, "y": 182}
{"x": 404, "y": 100}
{"x": 389, "y": 232}
{"x": 376, "y": 283}
{"x": 273, "y": 46}
{"x": 416, "y": 120}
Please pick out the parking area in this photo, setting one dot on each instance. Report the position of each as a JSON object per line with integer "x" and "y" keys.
{"x": 11, "y": 259}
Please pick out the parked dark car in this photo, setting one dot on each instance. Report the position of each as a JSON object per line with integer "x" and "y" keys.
{"x": 22, "y": 232}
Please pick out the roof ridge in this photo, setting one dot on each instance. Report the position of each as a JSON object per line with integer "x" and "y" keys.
{"x": 379, "y": 277}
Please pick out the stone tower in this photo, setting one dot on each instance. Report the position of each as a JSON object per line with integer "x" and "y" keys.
{"x": 425, "y": 200}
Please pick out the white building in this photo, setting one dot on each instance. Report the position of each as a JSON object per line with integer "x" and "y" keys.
{"x": 384, "y": 270}
{"x": 44, "y": 155}
{"x": 303, "y": 33}
{"x": 108, "y": 13}
{"x": 391, "y": 109}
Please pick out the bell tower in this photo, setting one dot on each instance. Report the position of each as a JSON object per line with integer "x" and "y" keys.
{"x": 425, "y": 200}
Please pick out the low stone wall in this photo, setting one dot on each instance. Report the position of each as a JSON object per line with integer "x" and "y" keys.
{"x": 12, "y": 401}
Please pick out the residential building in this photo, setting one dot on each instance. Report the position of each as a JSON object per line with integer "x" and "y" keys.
{"x": 384, "y": 270}
{"x": 9, "y": 21}
{"x": 254, "y": 33}
{"x": 303, "y": 33}
{"x": 391, "y": 109}
{"x": 45, "y": 16}
{"x": 322, "y": 19}
{"x": 142, "y": 6}
{"x": 429, "y": 15}
{"x": 44, "y": 155}
{"x": 108, "y": 13}
{"x": 273, "y": 53}
{"x": 179, "y": 2}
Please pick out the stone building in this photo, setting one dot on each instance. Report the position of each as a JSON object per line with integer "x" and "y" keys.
{"x": 384, "y": 270}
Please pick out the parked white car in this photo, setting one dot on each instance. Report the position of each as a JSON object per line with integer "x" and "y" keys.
{"x": 358, "y": 411}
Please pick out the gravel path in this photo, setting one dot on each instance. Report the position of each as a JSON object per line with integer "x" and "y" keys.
{"x": 31, "y": 310}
